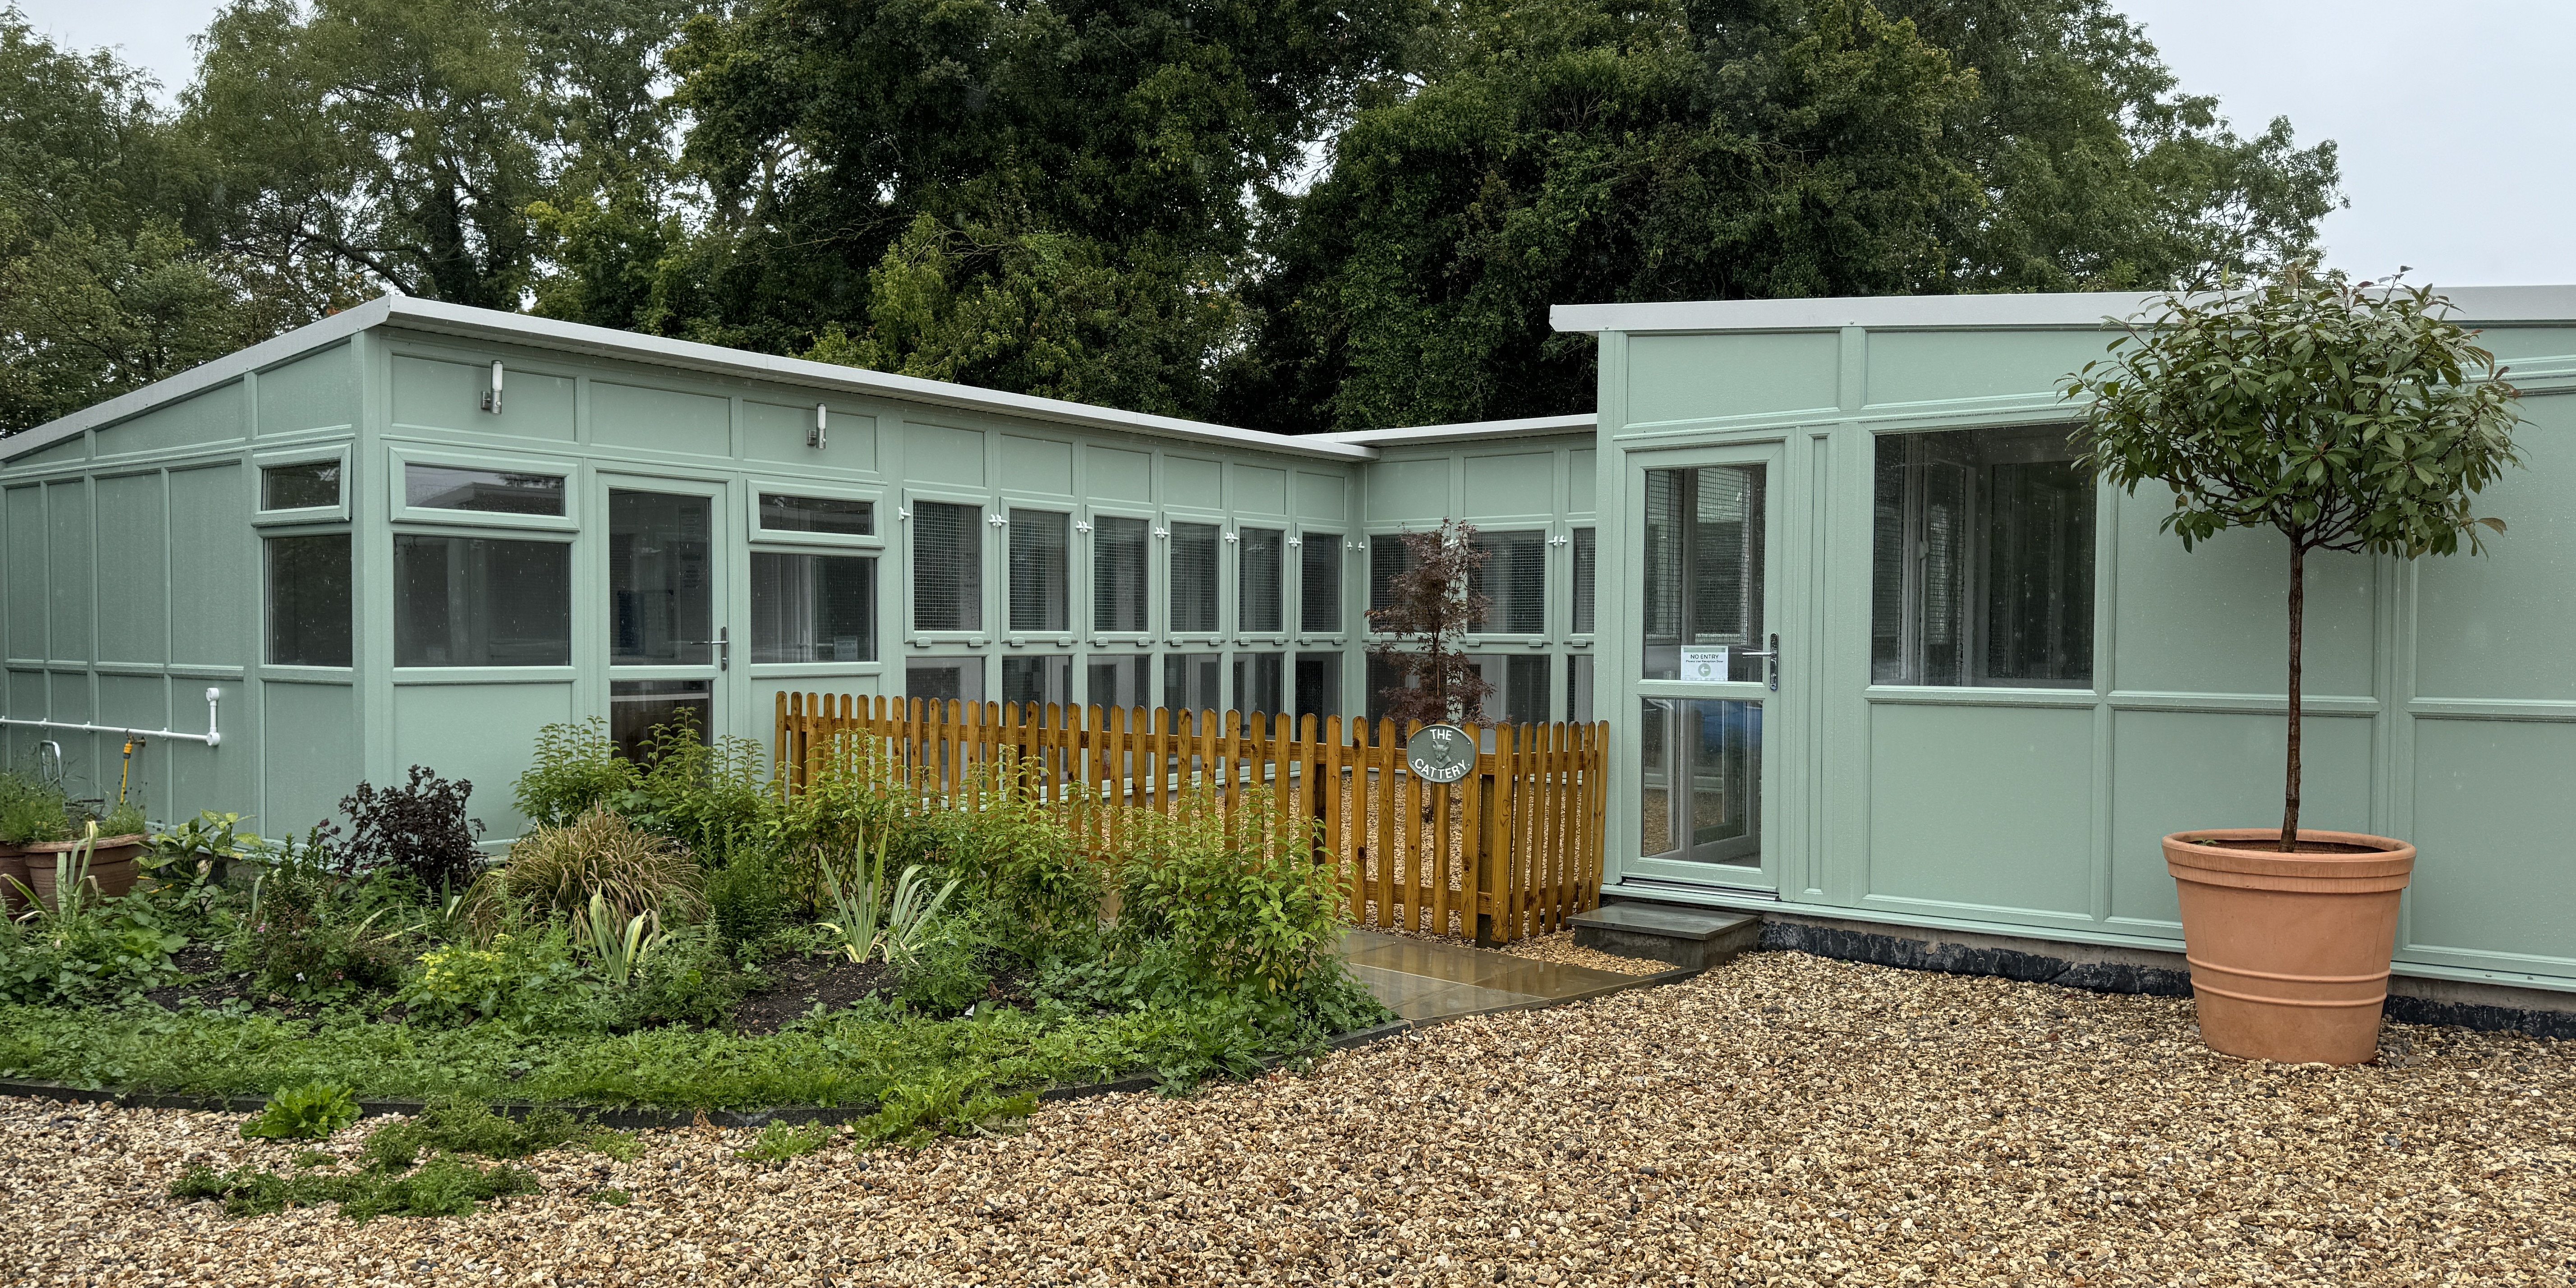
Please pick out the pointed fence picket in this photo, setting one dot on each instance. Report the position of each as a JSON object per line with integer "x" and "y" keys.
{"x": 1507, "y": 852}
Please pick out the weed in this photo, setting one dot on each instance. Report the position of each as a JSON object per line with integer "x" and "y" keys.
{"x": 443, "y": 1186}
{"x": 312, "y": 1158}
{"x": 746, "y": 901}
{"x": 458, "y": 1126}
{"x": 310, "y": 1112}
{"x": 780, "y": 1142}
{"x": 611, "y": 1197}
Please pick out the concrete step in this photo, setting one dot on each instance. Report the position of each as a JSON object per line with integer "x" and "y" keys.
{"x": 1685, "y": 936}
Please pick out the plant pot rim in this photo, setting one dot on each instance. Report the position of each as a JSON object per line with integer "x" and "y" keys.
{"x": 104, "y": 843}
{"x": 2248, "y": 852}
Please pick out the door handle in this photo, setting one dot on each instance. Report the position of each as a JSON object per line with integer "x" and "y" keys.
{"x": 724, "y": 648}
{"x": 1771, "y": 661}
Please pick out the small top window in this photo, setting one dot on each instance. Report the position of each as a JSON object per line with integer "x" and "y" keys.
{"x": 304, "y": 485}
{"x": 823, "y": 514}
{"x": 457, "y": 487}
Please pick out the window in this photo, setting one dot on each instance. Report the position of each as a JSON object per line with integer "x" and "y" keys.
{"x": 1190, "y": 680}
{"x": 1319, "y": 685}
{"x": 813, "y": 608}
{"x": 944, "y": 679}
{"x": 1520, "y": 683}
{"x": 1041, "y": 555}
{"x": 638, "y": 707}
{"x": 827, "y": 515}
{"x": 1578, "y": 688}
{"x": 1389, "y": 557}
{"x": 947, "y": 567}
{"x": 1257, "y": 679}
{"x": 1120, "y": 679}
{"x": 308, "y": 600}
{"x": 304, "y": 485}
{"x": 1319, "y": 588}
{"x": 1982, "y": 554}
{"x": 1037, "y": 681}
{"x": 1703, "y": 568}
{"x": 1193, "y": 581}
{"x": 661, "y": 579}
{"x": 456, "y": 487}
{"x": 472, "y": 601}
{"x": 1514, "y": 576}
{"x": 1584, "y": 567}
{"x": 1381, "y": 677}
{"x": 1260, "y": 580}
{"x": 1118, "y": 574}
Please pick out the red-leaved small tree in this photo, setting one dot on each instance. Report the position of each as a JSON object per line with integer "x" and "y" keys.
{"x": 1429, "y": 612}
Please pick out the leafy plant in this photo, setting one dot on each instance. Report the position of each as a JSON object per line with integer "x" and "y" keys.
{"x": 948, "y": 974}
{"x": 80, "y": 947}
{"x": 443, "y": 1186}
{"x": 418, "y": 830}
{"x": 709, "y": 795}
{"x": 31, "y": 810}
{"x": 747, "y": 899}
{"x": 617, "y": 951}
{"x": 310, "y": 1112}
{"x": 1238, "y": 909}
{"x": 452, "y": 1124}
{"x": 780, "y": 1142}
{"x": 529, "y": 975}
{"x": 199, "y": 842}
{"x": 310, "y": 934}
{"x": 2345, "y": 417}
{"x": 574, "y": 770}
{"x": 599, "y": 855}
{"x": 1431, "y": 607}
{"x": 870, "y": 924}
{"x": 125, "y": 820}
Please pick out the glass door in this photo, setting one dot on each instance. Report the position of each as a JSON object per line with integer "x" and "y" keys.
{"x": 1704, "y": 540}
{"x": 666, "y": 644}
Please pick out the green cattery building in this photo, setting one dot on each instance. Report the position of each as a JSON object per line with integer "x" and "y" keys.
{"x": 1873, "y": 653}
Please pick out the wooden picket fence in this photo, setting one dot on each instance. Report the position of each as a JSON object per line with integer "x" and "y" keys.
{"x": 1509, "y": 851}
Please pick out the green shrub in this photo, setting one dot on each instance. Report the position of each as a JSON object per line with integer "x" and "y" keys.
{"x": 443, "y": 1186}
{"x": 692, "y": 979}
{"x": 32, "y": 810}
{"x": 780, "y": 1142}
{"x": 1236, "y": 910}
{"x": 712, "y": 797}
{"x": 555, "y": 870}
{"x": 527, "y": 976}
{"x": 124, "y": 820}
{"x": 310, "y": 1112}
{"x": 747, "y": 899}
{"x": 951, "y": 971}
{"x": 456, "y": 1126}
{"x": 311, "y": 935}
{"x": 86, "y": 950}
{"x": 574, "y": 770}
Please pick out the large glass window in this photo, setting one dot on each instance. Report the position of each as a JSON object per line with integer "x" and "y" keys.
{"x": 472, "y": 601}
{"x": 661, "y": 579}
{"x": 1191, "y": 680}
{"x": 944, "y": 679}
{"x": 1514, "y": 577}
{"x": 1037, "y": 681}
{"x": 1257, "y": 680}
{"x": 1260, "y": 579}
{"x": 1120, "y": 679}
{"x": 638, "y": 707}
{"x": 813, "y": 608}
{"x": 1520, "y": 688}
{"x": 308, "y": 600}
{"x": 1319, "y": 685}
{"x": 829, "y": 515}
{"x": 302, "y": 486}
{"x": 1585, "y": 565}
{"x": 1319, "y": 584}
{"x": 1982, "y": 549}
{"x": 1041, "y": 572}
{"x": 457, "y": 487}
{"x": 1194, "y": 578}
{"x": 947, "y": 567}
{"x": 1701, "y": 587}
{"x": 1118, "y": 574}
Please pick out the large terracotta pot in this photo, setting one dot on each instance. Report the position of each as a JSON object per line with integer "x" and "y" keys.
{"x": 2289, "y": 952}
{"x": 13, "y": 870}
{"x": 111, "y": 865}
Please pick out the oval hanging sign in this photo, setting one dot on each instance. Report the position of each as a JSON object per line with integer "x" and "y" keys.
{"x": 1440, "y": 753}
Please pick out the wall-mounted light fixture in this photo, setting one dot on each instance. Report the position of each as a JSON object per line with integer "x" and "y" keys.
{"x": 492, "y": 396}
{"x": 822, "y": 421}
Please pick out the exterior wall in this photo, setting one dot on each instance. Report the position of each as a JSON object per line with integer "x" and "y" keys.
{"x": 2441, "y": 707}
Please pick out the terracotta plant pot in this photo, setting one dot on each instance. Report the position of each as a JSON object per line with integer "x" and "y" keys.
{"x": 2289, "y": 952}
{"x": 13, "y": 870}
{"x": 111, "y": 865}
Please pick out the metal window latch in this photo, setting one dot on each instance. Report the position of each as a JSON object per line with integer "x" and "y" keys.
{"x": 1234, "y": 536}
{"x": 1084, "y": 526}
{"x": 492, "y": 396}
{"x": 903, "y": 512}
{"x": 1771, "y": 661}
{"x": 996, "y": 520}
{"x": 1560, "y": 539}
{"x": 724, "y": 647}
{"x": 1294, "y": 542}
{"x": 1162, "y": 532}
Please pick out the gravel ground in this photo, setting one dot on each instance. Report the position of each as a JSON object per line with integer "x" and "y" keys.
{"x": 1560, "y": 948}
{"x": 1784, "y": 1119}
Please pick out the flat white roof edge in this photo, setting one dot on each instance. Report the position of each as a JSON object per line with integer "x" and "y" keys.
{"x": 2077, "y": 309}
{"x": 1524, "y": 427}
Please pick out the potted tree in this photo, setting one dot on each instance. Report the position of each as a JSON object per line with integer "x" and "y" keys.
{"x": 2346, "y": 417}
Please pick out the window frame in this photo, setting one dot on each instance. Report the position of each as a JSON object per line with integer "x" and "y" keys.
{"x": 886, "y": 650}
{"x": 403, "y": 456}
{"x": 572, "y": 606}
{"x": 759, "y": 535}
{"x": 1263, "y": 641}
{"x": 1213, "y": 640}
{"x": 990, "y": 557}
{"x": 1076, "y": 604}
{"x": 1086, "y": 533}
{"x": 1297, "y": 539}
{"x": 1538, "y": 638}
{"x": 261, "y": 462}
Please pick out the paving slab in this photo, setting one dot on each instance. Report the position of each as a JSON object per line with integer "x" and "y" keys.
{"x": 1422, "y": 979}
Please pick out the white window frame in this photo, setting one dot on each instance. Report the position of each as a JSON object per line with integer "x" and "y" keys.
{"x": 875, "y": 497}
{"x": 402, "y": 458}
{"x": 993, "y": 549}
{"x": 1086, "y": 531}
{"x": 261, "y": 462}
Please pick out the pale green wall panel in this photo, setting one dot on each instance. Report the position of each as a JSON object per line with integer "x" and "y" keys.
{"x": 2503, "y": 624}
{"x": 139, "y": 702}
{"x": 1037, "y": 465}
{"x": 1689, "y": 377}
{"x": 310, "y": 754}
{"x": 1515, "y": 483}
{"x": 63, "y": 453}
{"x": 431, "y": 393}
{"x": 1193, "y": 481}
{"x": 938, "y": 454}
{"x": 214, "y": 581}
{"x": 1321, "y": 497}
{"x": 2177, "y": 770}
{"x": 659, "y": 420}
{"x": 481, "y": 733}
{"x": 1582, "y": 480}
{"x": 133, "y": 577}
{"x": 776, "y": 433}
{"x": 215, "y": 416}
{"x": 1116, "y": 474}
{"x": 2215, "y": 619}
{"x": 1982, "y": 807}
{"x": 2495, "y": 835}
{"x": 1928, "y": 366}
{"x": 1258, "y": 489}
{"x": 1415, "y": 491}
{"x": 2517, "y": 344}
{"x": 224, "y": 779}
{"x": 317, "y": 391}
{"x": 67, "y": 571}
{"x": 26, "y": 562}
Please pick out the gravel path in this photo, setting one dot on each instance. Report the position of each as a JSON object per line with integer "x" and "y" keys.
{"x": 1783, "y": 1119}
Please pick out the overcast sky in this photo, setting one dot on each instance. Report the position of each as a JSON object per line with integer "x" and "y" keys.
{"x": 2451, "y": 118}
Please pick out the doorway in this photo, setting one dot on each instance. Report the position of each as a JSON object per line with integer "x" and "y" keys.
{"x": 666, "y": 648}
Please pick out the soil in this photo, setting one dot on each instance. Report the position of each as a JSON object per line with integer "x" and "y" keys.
{"x": 202, "y": 977}
{"x": 2272, "y": 845}
{"x": 797, "y": 984}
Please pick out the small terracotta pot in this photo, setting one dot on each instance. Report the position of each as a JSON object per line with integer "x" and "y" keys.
{"x": 2289, "y": 952}
{"x": 13, "y": 870}
{"x": 111, "y": 866}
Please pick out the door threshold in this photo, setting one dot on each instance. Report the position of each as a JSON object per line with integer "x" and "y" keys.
{"x": 1645, "y": 886}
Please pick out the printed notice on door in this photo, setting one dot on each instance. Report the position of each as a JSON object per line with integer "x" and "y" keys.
{"x": 1703, "y": 665}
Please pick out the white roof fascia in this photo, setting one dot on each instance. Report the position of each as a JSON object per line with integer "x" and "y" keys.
{"x": 198, "y": 379}
{"x": 443, "y": 318}
{"x": 2073, "y": 309}
{"x": 1525, "y": 427}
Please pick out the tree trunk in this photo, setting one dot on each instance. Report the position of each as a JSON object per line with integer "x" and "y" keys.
{"x": 2298, "y": 616}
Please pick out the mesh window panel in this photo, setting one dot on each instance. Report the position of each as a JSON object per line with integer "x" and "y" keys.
{"x": 1194, "y": 578}
{"x": 947, "y": 567}
{"x": 1585, "y": 563}
{"x": 308, "y": 600}
{"x": 472, "y": 601}
{"x": 1260, "y": 575}
{"x": 1319, "y": 588}
{"x": 1525, "y": 690}
{"x": 1660, "y": 607}
{"x": 1389, "y": 556}
{"x": 1191, "y": 681}
{"x": 1257, "y": 679}
{"x": 813, "y": 608}
{"x": 1118, "y": 574}
{"x": 1514, "y": 576}
{"x": 1319, "y": 685}
{"x": 1041, "y": 572}
{"x": 1039, "y": 680}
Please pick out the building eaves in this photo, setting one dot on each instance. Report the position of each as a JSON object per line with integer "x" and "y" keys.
{"x": 2470, "y": 304}
{"x": 1525, "y": 427}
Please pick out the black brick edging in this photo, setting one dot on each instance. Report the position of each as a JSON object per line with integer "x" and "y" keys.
{"x": 666, "y": 1119}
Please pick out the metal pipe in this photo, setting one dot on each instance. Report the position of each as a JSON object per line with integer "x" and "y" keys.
{"x": 212, "y": 737}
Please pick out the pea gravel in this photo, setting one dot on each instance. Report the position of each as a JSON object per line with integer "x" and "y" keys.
{"x": 1783, "y": 1119}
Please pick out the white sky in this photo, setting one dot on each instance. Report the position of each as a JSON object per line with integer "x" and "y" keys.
{"x": 2451, "y": 117}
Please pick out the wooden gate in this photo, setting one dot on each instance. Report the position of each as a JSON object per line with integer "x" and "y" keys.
{"x": 1510, "y": 851}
